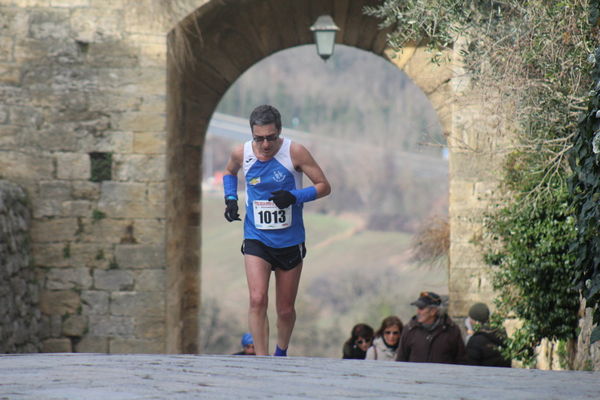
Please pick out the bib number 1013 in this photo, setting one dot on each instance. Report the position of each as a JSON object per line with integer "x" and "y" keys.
{"x": 271, "y": 217}
{"x": 268, "y": 216}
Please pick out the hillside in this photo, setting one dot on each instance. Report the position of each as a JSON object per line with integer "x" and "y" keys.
{"x": 373, "y": 132}
{"x": 351, "y": 275}
{"x": 354, "y": 95}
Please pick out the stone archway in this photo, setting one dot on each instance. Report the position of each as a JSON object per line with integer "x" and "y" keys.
{"x": 223, "y": 40}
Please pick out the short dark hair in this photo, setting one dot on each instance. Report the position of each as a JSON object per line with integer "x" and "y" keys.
{"x": 265, "y": 115}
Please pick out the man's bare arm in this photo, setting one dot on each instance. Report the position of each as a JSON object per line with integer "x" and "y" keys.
{"x": 235, "y": 161}
{"x": 305, "y": 162}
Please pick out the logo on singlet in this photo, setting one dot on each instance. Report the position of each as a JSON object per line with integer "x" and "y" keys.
{"x": 278, "y": 176}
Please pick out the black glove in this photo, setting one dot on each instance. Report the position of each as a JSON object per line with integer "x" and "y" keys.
{"x": 282, "y": 199}
{"x": 231, "y": 211}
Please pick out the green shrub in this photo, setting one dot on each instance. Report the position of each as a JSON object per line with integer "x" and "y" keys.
{"x": 534, "y": 272}
{"x": 585, "y": 189}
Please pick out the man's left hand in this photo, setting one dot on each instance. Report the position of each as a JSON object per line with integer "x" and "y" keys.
{"x": 282, "y": 199}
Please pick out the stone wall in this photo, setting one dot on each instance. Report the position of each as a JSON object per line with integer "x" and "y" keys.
{"x": 82, "y": 117}
{"x": 587, "y": 355}
{"x": 19, "y": 292}
{"x": 115, "y": 191}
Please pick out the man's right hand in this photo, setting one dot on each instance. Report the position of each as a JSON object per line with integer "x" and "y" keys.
{"x": 231, "y": 210}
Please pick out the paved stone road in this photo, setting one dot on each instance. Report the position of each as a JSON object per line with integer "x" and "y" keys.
{"x": 174, "y": 377}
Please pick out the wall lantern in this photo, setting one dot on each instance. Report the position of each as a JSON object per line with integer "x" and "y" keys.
{"x": 324, "y": 30}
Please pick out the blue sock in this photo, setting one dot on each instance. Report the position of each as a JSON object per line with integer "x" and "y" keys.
{"x": 279, "y": 352}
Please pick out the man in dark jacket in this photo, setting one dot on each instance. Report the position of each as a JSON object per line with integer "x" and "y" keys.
{"x": 431, "y": 336}
{"x": 483, "y": 346}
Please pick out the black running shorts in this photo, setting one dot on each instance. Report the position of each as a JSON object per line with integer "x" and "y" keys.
{"x": 285, "y": 258}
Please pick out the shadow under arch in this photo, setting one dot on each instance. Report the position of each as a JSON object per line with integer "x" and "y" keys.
{"x": 208, "y": 51}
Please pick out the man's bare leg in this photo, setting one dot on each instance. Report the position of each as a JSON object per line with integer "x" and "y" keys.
{"x": 258, "y": 272}
{"x": 286, "y": 289}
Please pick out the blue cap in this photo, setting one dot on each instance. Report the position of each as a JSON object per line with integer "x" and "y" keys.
{"x": 247, "y": 339}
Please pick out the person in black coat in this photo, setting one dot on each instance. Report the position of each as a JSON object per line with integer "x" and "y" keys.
{"x": 483, "y": 346}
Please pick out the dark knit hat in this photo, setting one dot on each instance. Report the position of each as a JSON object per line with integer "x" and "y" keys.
{"x": 479, "y": 312}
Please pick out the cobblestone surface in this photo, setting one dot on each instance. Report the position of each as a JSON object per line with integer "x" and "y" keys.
{"x": 115, "y": 377}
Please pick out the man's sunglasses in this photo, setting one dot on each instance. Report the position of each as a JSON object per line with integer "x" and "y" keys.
{"x": 270, "y": 138}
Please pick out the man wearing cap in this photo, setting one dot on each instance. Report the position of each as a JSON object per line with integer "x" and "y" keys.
{"x": 431, "y": 335}
{"x": 483, "y": 346}
{"x": 248, "y": 345}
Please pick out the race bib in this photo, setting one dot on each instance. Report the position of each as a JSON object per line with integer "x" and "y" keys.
{"x": 268, "y": 216}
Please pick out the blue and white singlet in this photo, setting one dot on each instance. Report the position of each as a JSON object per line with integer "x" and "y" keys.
{"x": 264, "y": 221}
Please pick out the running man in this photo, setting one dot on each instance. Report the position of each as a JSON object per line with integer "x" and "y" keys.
{"x": 273, "y": 226}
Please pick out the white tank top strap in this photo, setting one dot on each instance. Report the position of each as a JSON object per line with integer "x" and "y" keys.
{"x": 249, "y": 157}
{"x": 284, "y": 156}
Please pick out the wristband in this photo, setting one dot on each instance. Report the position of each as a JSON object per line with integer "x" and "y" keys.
{"x": 230, "y": 187}
{"x": 304, "y": 195}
